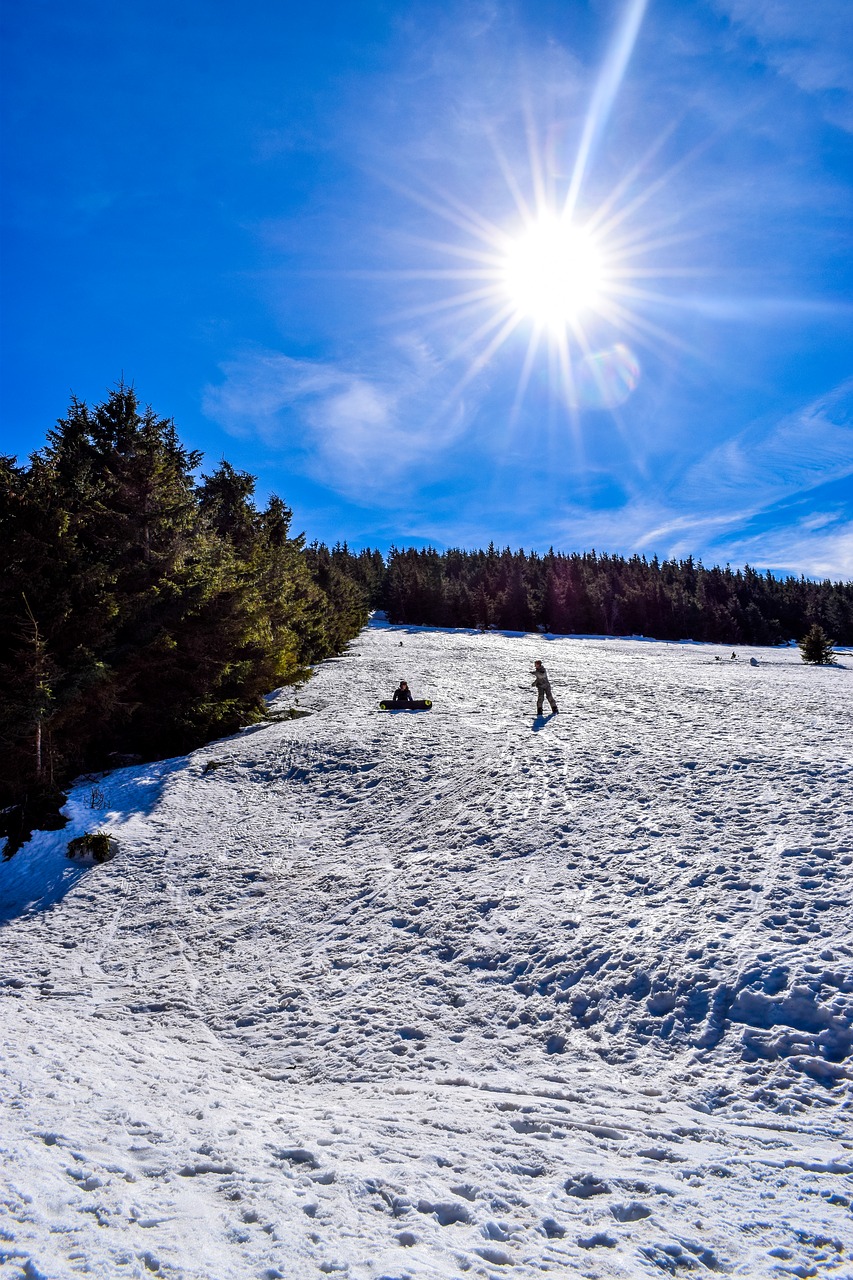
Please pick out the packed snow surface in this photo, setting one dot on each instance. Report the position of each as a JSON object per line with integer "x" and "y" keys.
{"x": 454, "y": 993}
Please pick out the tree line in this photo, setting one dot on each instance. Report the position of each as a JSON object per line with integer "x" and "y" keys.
{"x": 146, "y": 609}
{"x": 592, "y": 594}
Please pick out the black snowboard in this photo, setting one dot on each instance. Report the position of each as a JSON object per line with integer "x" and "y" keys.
{"x": 419, "y": 704}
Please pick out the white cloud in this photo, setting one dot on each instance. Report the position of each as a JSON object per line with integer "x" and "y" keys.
{"x": 797, "y": 549}
{"x": 810, "y": 44}
{"x": 819, "y": 547}
{"x": 808, "y": 448}
{"x": 736, "y": 504}
{"x": 353, "y": 432}
{"x": 648, "y": 527}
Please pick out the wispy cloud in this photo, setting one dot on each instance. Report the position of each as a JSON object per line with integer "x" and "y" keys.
{"x": 809, "y": 44}
{"x": 353, "y": 431}
{"x": 769, "y": 496}
{"x": 818, "y": 550}
{"x": 645, "y": 526}
{"x": 799, "y": 549}
{"x": 762, "y": 465}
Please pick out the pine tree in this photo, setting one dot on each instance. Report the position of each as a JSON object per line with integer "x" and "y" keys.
{"x": 225, "y": 499}
{"x": 816, "y": 647}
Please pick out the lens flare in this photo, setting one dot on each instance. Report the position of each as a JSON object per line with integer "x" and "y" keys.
{"x": 553, "y": 272}
{"x": 605, "y": 379}
{"x": 573, "y": 272}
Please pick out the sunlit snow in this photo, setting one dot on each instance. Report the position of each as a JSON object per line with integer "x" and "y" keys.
{"x": 454, "y": 993}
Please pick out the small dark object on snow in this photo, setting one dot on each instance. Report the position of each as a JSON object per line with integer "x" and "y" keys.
{"x": 95, "y": 845}
{"x": 211, "y": 766}
{"x": 417, "y": 704}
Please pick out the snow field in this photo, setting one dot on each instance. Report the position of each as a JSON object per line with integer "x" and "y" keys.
{"x": 463, "y": 992}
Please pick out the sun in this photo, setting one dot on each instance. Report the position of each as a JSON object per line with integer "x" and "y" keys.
{"x": 574, "y": 285}
{"x": 553, "y": 272}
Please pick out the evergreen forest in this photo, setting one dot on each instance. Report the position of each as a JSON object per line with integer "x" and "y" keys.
{"x": 591, "y": 594}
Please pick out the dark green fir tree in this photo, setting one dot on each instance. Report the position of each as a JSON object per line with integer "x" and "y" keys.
{"x": 816, "y": 647}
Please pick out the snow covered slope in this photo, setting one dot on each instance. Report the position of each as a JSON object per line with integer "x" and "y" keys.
{"x": 457, "y": 993}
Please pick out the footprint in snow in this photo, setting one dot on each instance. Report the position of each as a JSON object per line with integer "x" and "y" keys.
{"x": 599, "y": 1240}
{"x": 584, "y": 1185}
{"x": 631, "y": 1212}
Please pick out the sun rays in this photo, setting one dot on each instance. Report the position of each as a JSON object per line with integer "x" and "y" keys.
{"x": 579, "y": 284}
{"x": 576, "y": 290}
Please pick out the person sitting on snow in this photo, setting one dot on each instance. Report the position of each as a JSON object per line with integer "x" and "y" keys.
{"x": 543, "y": 688}
{"x": 402, "y": 694}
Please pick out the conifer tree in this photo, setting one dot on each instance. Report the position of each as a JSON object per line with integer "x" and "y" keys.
{"x": 816, "y": 647}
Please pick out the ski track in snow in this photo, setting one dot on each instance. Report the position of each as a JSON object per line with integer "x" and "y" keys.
{"x": 418, "y": 996}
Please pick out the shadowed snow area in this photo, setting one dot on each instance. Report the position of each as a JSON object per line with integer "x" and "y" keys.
{"x": 417, "y": 996}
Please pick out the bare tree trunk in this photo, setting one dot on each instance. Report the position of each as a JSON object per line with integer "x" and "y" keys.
{"x": 41, "y": 688}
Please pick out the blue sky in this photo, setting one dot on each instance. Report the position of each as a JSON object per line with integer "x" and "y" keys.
{"x": 289, "y": 227}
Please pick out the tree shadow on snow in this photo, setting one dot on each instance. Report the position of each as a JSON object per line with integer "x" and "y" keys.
{"x": 40, "y": 874}
{"x": 39, "y": 878}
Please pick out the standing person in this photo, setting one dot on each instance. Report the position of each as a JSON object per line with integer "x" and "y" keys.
{"x": 543, "y": 688}
{"x": 402, "y": 694}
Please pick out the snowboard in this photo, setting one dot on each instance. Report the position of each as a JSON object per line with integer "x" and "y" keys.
{"x": 419, "y": 704}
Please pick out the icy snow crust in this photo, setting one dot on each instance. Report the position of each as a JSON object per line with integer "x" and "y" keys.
{"x": 459, "y": 993}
